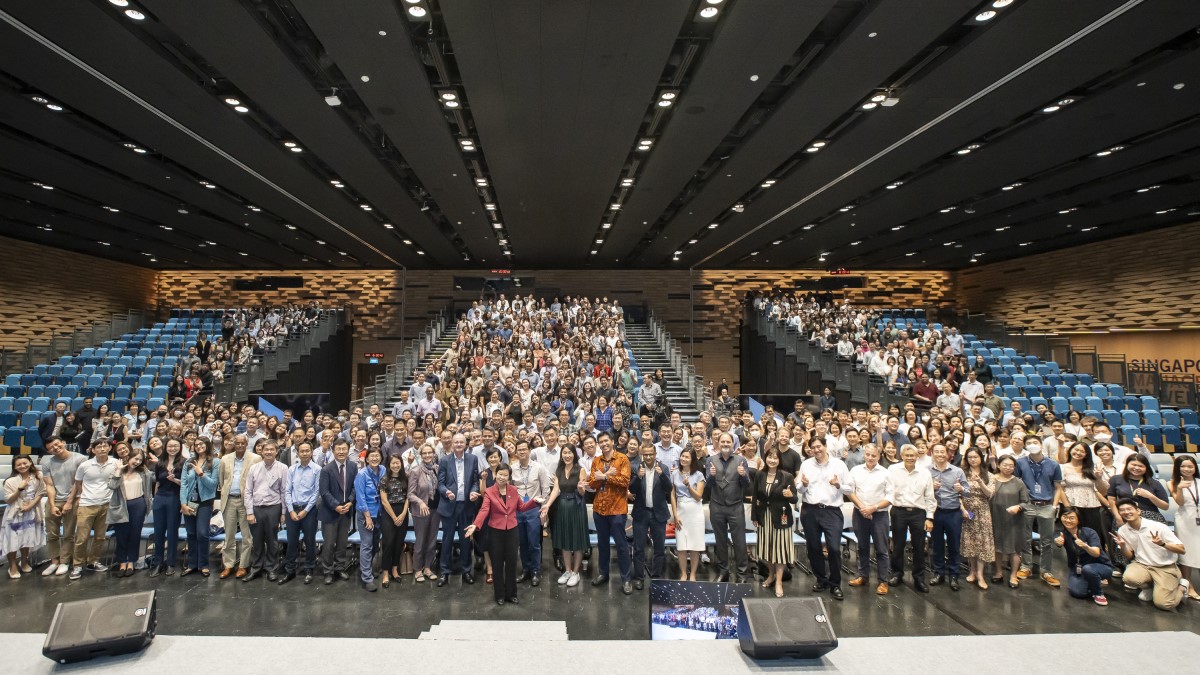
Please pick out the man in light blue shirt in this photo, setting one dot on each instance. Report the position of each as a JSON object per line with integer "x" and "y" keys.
{"x": 949, "y": 487}
{"x": 303, "y": 488}
{"x": 1044, "y": 480}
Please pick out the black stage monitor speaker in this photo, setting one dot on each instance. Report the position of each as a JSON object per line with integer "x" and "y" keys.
{"x": 117, "y": 624}
{"x": 773, "y": 628}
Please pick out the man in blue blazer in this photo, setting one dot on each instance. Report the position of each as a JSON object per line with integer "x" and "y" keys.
{"x": 650, "y": 487}
{"x": 335, "y": 510}
{"x": 458, "y": 484}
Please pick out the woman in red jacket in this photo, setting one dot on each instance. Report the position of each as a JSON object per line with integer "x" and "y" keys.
{"x": 499, "y": 510}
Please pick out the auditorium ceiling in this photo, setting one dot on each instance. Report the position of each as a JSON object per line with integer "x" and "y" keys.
{"x": 822, "y": 134}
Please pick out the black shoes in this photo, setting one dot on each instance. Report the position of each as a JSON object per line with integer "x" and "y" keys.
{"x": 954, "y": 583}
{"x": 272, "y": 576}
{"x": 627, "y": 588}
{"x": 639, "y": 584}
{"x": 836, "y": 592}
{"x": 343, "y": 575}
{"x": 600, "y": 581}
{"x": 535, "y": 580}
{"x": 513, "y": 601}
{"x": 820, "y": 587}
{"x": 937, "y": 580}
{"x": 158, "y": 570}
{"x": 895, "y": 580}
{"x": 500, "y": 601}
{"x": 251, "y": 576}
{"x": 328, "y": 579}
{"x": 920, "y": 586}
{"x": 443, "y": 580}
{"x": 287, "y": 577}
{"x": 469, "y": 578}
{"x": 372, "y": 586}
{"x": 721, "y": 578}
{"x": 523, "y": 577}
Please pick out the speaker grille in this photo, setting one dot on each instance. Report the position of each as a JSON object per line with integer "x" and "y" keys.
{"x": 102, "y": 619}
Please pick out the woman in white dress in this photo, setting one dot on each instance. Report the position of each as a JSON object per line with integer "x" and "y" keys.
{"x": 1184, "y": 490}
{"x": 688, "y": 480}
{"x": 22, "y": 529}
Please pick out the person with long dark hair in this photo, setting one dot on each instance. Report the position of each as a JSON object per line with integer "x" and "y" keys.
{"x": 688, "y": 480}
{"x": 393, "y": 493}
{"x": 133, "y": 489}
{"x": 1009, "y": 499}
{"x": 1137, "y": 483}
{"x": 1187, "y": 519}
{"x": 978, "y": 546}
{"x": 774, "y": 495}
{"x": 197, "y": 493}
{"x": 168, "y": 476}
{"x": 1088, "y": 565}
{"x": 570, "y": 532}
{"x": 1083, "y": 486}
{"x": 22, "y": 530}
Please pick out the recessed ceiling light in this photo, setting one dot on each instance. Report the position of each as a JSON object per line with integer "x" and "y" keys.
{"x": 692, "y": 241}
{"x": 253, "y": 208}
{"x": 1025, "y": 243}
{"x": 450, "y": 104}
{"x": 713, "y": 226}
{"x": 614, "y": 207}
{"x": 1109, "y": 151}
{"x": 948, "y": 209}
{"x": 870, "y": 105}
{"x": 897, "y": 228}
{"x": 242, "y": 253}
{"x": 417, "y": 11}
{"x": 846, "y": 208}
{"x": 626, "y": 182}
{"x": 810, "y": 226}
{"x": 986, "y": 15}
{"x": 109, "y": 208}
{"x": 754, "y": 253}
{"x": 241, "y": 108}
{"x": 1066, "y": 211}
{"x": 449, "y": 96}
{"x": 1006, "y": 188}
{"x": 879, "y": 98}
{"x": 135, "y": 15}
{"x": 767, "y": 183}
{"x": 289, "y": 226}
{"x": 1066, "y": 101}
{"x": 1051, "y": 108}
{"x": 336, "y": 183}
{"x": 43, "y": 185}
{"x": 893, "y": 186}
{"x": 739, "y": 207}
{"x": 777, "y": 242}
{"x": 365, "y": 207}
{"x": 208, "y": 185}
{"x": 498, "y": 225}
{"x": 319, "y": 242}
{"x": 855, "y": 243}
{"x": 104, "y": 243}
{"x": 489, "y": 206}
{"x": 999, "y": 4}
{"x": 119, "y": 3}
{"x": 166, "y": 227}
{"x": 232, "y": 101}
{"x": 1088, "y": 229}
{"x": 599, "y": 241}
{"x": 55, "y": 107}
{"x": 709, "y": 12}
{"x": 645, "y": 143}
{"x": 1178, "y": 86}
{"x": 1164, "y": 211}
{"x": 1001, "y": 229}
{"x": 481, "y": 182}
{"x": 909, "y": 255}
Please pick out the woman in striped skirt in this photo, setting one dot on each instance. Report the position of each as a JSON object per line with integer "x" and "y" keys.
{"x": 774, "y": 495}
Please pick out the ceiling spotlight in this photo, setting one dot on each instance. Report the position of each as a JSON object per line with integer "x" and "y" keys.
{"x": 119, "y": 3}
{"x": 104, "y": 243}
{"x": 365, "y": 207}
{"x": 109, "y": 208}
{"x": 417, "y": 11}
{"x": 986, "y": 15}
{"x": 449, "y": 96}
{"x": 664, "y": 103}
{"x": 593, "y": 252}
{"x": 713, "y": 226}
{"x": 708, "y": 12}
{"x": 897, "y": 228}
{"x": 1025, "y": 243}
{"x": 668, "y": 95}
{"x": 481, "y": 182}
{"x": 1066, "y": 101}
{"x": 55, "y": 107}
{"x": 166, "y": 227}
{"x": 855, "y": 243}
{"x": 289, "y": 144}
{"x": 407, "y": 242}
{"x": 870, "y": 105}
{"x": 893, "y": 186}
{"x": 1051, "y": 108}
{"x": 739, "y": 207}
{"x": 289, "y": 226}
{"x": 645, "y": 144}
{"x": 467, "y": 144}
{"x": 909, "y": 255}
{"x": 319, "y": 242}
{"x": 1066, "y": 211}
{"x": 489, "y": 206}
{"x": 135, "y": 148}
{"x": 498, "y": 225}
{"x": 135, "y": 15}
{"x": 1109, "y": 151}
{"x": 846, "y": 208}
{"x": 1000, "y": 4}
{"x": 1163, "y": 211}
{"x": 451, "y": 103}
{"x": 208, "y": 185}
{"x": 336, "y": 183}
{"x": 615, "y": 207}
{"x": 878, "y": 98}
{"x": 754, "y": 253}
{"x": 809, "y": 226}
{"x": 1001, "y": 229}
{"x": 1014, "y": 186}
{"x": 241, "y": 108}
{"x": 948, "y": 209}
{"x": 253, "y": 208}
{"x": 1149, "y": 188}
{"x": 626, "y": 182}
{"x": 767, "y": 183}
{"x": 233, "y": 101}
{"x": 39, "y": 99}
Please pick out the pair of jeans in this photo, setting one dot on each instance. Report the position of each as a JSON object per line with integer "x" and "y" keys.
{"x": 872, "y": 531}
{"x": 1087, "y": 584}
{"x": 529, "y": 533}
{"x": 129, "y": 533}
{"x": 199, "y": 531}
{"x": 947, "y": 533}
{"x": 166, "y": 527}
{"x": 368, "y": 542}
{"x": 823, "y": 521}
{"x": 612, "y": 527}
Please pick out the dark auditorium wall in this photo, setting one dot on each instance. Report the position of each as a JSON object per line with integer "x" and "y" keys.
{"x": 379, "y": 297}
{"x": 1146, "y": 280}
{"x": 47, "y": 290}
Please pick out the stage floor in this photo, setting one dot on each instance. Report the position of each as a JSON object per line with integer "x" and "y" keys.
{"x": 198, "y": 606}
{"x": 1169, "y": 652}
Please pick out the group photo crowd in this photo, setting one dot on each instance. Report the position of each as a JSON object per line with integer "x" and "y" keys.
{"x": 534, "y": 450}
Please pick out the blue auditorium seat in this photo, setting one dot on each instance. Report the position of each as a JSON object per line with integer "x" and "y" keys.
{"x": 1149, "y": 403}
{"x": 1189, "y": 417}
{"x": 1132, "y": 402}
{"x": 1084, "y": 378}
{"x": 1112, "y": 418}
{"x": 1172, "y": 438}
{"x": 40, "y": 404}
{"x": 30, "y": 419}
{"x": 1077, "y": 403}
{"x": 1063, "y": 391}
{"x": 1060, "y": 405}
{"x": 22, "y": 403}
{"x": 1170, "y": 418}
{"x": 9, "y": 418}
{"x": 1129, "y": 432}
{"x": 33, "y": 439}
{"x": 1130, "y": 418}
{"x": 1152, "y": 418}
{"x": 1191, "y": 434}
{"x": 13, "y": 437}
{"x": 1151, "y": 436}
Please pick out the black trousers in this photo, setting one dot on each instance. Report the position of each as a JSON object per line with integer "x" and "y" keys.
{"x": 819, "y": 521}
{"x": 306, "y": 526}
{"x": 503, "y": 549}
{"x": 393, "y": 541}
{"x": 265, "y": 533}
{"x": 643, "y": 525}
{"x": 908, "y": 522}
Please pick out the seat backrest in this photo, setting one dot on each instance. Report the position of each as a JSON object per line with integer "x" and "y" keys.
{"x": 1149, "y": 403}
{"x": 1094, "y": 403}
{"x": 1170, "y": 418}
{"x": 1130, "y": 417}
{"x": 1152, "y": 417}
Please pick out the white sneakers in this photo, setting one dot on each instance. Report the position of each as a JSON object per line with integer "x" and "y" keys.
{"x": 76, "y": 573}
{"x": 563, "y": 579}
{"x": 50, "y": 570}
{"x": 63, "y": 568}
{"x": 573, "y": 580}
{"x": 1146, "y": 595}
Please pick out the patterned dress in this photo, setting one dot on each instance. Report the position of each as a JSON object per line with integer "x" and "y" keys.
{"x": 977, "y": 539}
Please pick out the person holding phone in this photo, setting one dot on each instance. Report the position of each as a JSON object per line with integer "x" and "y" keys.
{"x": 1154, "y": 551}
{"x": 501, "y": 504}
{"x": 1087, "y": 563}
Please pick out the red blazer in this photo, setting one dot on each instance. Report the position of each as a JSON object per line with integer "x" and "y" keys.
{"x": 501, "y": 513}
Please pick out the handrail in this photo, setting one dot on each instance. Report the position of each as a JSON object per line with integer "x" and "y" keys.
{"x": 693, "y": 383}
{"x": 23, "y": 359}
{"x": 397, "y": 372}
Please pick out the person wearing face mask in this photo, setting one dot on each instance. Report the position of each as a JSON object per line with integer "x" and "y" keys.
{"x": 1044, "y": 480}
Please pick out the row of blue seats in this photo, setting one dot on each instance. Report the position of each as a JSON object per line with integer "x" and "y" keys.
{"x": 117, "y": 367}
{"x": 1022, "y": 365}
{"x": 47, "y": 383}
{"x": 43, "y": 403}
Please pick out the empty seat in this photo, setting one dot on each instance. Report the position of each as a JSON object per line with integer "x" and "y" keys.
{"x": 1151, "y": 436}
{"x": 1149, "y": 403}
{"x": 1152, "y": 418}
{"x": 1083, "y": 390}
{"x": 1114, "y": 389}
{"x": 1021, "y": 380}
{"x": 1191, "y": 435}
{"x": 1189, "y": 417}
{"x": 1060, "y": 405}
{"x": 1130, "y": 432}
{"x": 1130, "y": 418}
{"x": 1172, "y": 438}
{"x": 1112, "y": 418}
{"x": 1077, "y": 403}
{"x": 1063, "y": 391}
{"x": 1084, "y": 378}
{"x": 1132, "y": 402}
{"x": 30, "y": 419}
{"x": 1094, "y": 403}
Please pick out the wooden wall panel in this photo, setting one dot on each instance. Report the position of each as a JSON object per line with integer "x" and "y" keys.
{"x": 1149, "y": 280}
{"x": 47, "y": 290}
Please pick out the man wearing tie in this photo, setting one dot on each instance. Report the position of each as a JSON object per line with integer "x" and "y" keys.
{"x": 650, "y": 489}
{"x": 823, "y": 481}
{"x": 458, "y": 480}
{"x": 335, "y": 509}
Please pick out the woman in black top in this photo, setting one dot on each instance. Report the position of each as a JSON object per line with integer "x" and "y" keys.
{"x": 393, "y": 498}
{"x": 1136, "y": 483}
{"x": 168, "y": 475}
{"x": 772, "y": 516}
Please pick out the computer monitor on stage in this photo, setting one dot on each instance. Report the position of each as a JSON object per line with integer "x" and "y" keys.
{"x": 695, "y": 610}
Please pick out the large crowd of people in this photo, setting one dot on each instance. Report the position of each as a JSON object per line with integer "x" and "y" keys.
{"x": 536, "y": 419}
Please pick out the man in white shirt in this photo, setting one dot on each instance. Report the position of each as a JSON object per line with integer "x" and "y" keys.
{"x": 253, "y": 433}
{"x": 971, "y": 392}
{"x": 911, "y": 514}
{"x": 871, "y": 492}
{"x": 94, "y": 491}
{"x": 1154, "y": 550}
{"x": 823, "y": 481}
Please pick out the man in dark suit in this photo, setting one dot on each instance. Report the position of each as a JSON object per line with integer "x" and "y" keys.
{"x": 335, "y": 510}
{"x": 50, "y": 422}
{"x": 650, "y": 489}
{"x": 458, "y": 483}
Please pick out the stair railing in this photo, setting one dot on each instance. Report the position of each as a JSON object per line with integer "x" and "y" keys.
{"x": 693, "y": 383}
